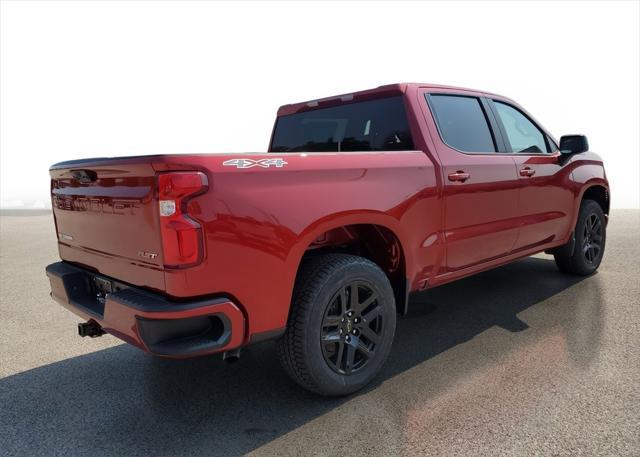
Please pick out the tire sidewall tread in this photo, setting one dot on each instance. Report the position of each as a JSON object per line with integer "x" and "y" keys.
{"x": 575, "y": 262}
{"x": 299, "y": 349}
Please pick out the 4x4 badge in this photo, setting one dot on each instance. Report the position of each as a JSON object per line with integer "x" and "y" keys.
{"x": 248, "y": 163}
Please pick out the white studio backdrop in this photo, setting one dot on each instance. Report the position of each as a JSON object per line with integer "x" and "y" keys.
{"x": 88, "y": 79}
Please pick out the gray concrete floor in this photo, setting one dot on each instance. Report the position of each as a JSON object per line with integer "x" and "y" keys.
{"x": 521, "y": 360}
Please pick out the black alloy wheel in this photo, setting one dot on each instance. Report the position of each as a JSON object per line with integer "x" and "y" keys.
{"x": 341, "y": 325}
{"x": 592, "y": 238}
{"x": 351, "y": 328}
{"x": 584, "y": 251}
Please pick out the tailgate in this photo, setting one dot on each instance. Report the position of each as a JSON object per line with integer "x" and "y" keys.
{"x": 106, "y": 215}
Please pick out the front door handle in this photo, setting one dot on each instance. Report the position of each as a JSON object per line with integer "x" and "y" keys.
{"x": 526, "y": 171}
{"x": 459, "y": 176}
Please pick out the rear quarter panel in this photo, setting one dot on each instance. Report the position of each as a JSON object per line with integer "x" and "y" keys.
{"x": 258, "y": 222}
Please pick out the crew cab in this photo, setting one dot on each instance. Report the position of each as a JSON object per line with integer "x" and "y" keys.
{"x": 361, "y": 200}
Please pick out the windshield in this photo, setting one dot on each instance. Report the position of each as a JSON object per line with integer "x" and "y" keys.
{"x": 374, "y": 125}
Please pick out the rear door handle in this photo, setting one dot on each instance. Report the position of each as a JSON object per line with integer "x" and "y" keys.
{"x": 459, "y": 176}
{"x": 526, "y": 171}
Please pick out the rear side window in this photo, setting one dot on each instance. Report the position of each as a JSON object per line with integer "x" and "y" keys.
{"x": 462, "y": 122}
{"x": 523, "y": 135}
{"x": 374, "y": 125}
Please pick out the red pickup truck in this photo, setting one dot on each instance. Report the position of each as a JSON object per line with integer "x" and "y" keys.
{"x": 361, "y": 200}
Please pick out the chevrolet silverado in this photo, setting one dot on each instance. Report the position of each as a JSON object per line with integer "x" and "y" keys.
{"x": 360, "y": 200}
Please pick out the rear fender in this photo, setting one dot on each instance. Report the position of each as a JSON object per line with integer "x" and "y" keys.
{"x": 336, "y": 221}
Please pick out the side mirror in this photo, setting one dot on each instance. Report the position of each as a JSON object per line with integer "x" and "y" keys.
{"x": 573, "y": 144}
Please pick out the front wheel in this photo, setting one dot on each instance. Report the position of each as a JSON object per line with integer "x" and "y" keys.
{"x": 583, "y": 255}
{"x": 342, "y": 324}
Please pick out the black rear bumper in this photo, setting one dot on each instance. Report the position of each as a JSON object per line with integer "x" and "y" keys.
{"x": 147, "y": 320}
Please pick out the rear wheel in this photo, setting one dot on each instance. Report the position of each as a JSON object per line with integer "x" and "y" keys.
{"x": 583, "y": 255}
{"x": 341, "y": 326}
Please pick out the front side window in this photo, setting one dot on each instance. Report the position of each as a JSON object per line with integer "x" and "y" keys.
{"x": 373, "y": 125}
{"x": 522, "y": 134}
{"x": 462, "y": 122}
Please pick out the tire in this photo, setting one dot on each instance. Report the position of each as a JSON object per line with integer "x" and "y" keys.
{"x": 331, "y": 329}
{"x": 582, "y": 256}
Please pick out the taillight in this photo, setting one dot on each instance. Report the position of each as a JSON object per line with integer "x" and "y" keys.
{"x": 182, "y": 244}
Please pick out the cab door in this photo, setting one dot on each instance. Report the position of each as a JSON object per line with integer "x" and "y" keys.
{"x": 546, "y": 201}
{"x": 480, "y": 185}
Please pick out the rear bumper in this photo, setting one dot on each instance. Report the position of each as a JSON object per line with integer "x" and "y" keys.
{"x": 146, "y": 320}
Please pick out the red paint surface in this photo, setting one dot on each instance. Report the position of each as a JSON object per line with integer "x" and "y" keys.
{"x": 258, "y": 222}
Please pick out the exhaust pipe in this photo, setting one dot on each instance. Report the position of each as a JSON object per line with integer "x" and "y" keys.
{"x": 91, "y": 329}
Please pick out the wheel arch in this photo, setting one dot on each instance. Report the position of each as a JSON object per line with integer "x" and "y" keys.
{"x": 600, "y": 194}
{"x": 372, "y": 235}
{"x": 594, "y": 189}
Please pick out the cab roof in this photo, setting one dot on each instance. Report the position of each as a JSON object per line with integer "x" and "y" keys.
{"x": 378, "y": 92}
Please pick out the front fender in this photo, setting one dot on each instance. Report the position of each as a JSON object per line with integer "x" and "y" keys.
{"x": 588, "y": 172}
